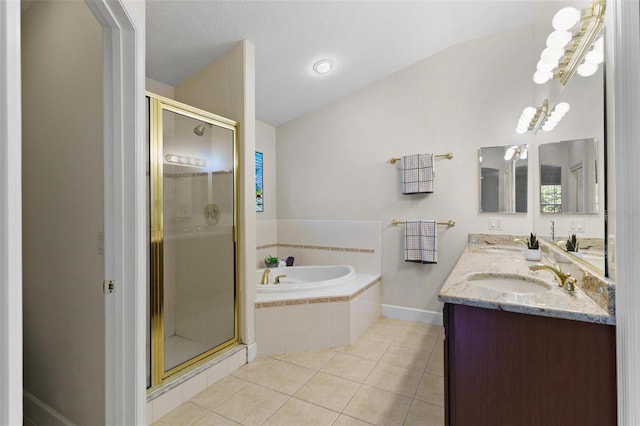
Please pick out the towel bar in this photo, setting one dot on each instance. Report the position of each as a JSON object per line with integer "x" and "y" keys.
{"x": 449, "y": 223}
{"x": 448, "y": 156}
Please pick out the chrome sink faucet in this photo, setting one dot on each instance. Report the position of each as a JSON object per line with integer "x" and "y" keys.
{"x": 564, "y": 280}
{"x": 265, "y": 276}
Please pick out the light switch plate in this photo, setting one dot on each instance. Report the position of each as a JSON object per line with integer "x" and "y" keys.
{"x": 495, "y": 223}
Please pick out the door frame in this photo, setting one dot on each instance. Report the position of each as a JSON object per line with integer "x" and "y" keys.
{"x": 10, "y": 215}
{"x": 125, "y": 250}
{"x": 625, "y": 49}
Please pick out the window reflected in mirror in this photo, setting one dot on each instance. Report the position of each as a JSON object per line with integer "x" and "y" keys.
{"x": 503, "y": 179}
{"x": 568, "y": 177}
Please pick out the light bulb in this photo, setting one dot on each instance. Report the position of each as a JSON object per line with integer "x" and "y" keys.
{"x": 558, "y": 39}
{"x": 508, "y": 155}
{"x": 542, "y": 67}
{"x": 565, "y": 18}
{"x": 562, "y": 108}
{"x": 528, "y": 113}
{"x": 587, "y": 69}
{"x": 542, "y": 77}
{"x": 323, "y": 66}
{"x": 549, "y": 125}
{"x": 551, "y": 56}
{"x": 521, "y": 129}
{"x": 553, "y": 118}
{"x": 594, "y": 57}
{"x": 523, "y": 152}
{"x": 599, "y": 45}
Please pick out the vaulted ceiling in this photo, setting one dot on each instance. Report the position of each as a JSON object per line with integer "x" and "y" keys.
{"x": 367, "y": 40}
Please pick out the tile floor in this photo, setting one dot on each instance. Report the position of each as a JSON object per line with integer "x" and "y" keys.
{"x": 392, "y": 375}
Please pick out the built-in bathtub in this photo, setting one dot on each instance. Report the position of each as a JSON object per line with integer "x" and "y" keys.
{"x": 306, "y": 279}
{"x": 314, "y": 307}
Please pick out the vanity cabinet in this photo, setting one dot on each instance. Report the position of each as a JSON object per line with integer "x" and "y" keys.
{"x": 505, "y": 368}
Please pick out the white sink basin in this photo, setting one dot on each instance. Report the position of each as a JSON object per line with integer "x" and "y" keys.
{"x": 509, "y": 283}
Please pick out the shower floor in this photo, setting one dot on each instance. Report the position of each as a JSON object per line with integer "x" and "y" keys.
{"x": 179, "y": 349}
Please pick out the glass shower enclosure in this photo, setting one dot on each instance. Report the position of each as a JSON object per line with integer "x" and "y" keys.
{"x": 192, "y": 297}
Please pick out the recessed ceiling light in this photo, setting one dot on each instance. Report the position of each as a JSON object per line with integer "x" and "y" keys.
{"x": 323, "y": 66}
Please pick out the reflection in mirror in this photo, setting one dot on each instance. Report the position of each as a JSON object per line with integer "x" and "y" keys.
{"x": 503, "y": 179}
{"x": 568, "y": 178}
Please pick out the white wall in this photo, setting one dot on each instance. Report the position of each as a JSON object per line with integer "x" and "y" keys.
{"x": 337, "y": 158}
{"x": 461, "y": 99}
{"x": 159, "y": 88}
{"x": 64, "y": 351}
{"x": 266, "y": 224}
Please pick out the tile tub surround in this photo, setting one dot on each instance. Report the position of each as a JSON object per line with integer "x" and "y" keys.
{"x": 323, "y": 242}
{"x": 362, "y": 259}
{"x": 393, "y": 374}
{"x": 288, "y": 323}
{"x": 553, "y": 303}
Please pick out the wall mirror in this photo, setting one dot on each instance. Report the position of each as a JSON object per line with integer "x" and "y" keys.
{"x": 568, "y": 177}
{"x": 569, "y": 198}
{"x": 503, "y": 179}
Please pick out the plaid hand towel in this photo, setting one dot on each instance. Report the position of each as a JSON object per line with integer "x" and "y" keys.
{"x": 417, "y": 173}
{"x": 420, "y": 241}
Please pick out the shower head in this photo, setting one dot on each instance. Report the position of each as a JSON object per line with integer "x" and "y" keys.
{"x": 199, "y": 129}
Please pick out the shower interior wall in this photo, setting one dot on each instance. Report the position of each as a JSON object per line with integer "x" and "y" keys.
{"x": 224, "y": 87}
{"x": 204, "y": 90}
{"x": 198, "y": 260}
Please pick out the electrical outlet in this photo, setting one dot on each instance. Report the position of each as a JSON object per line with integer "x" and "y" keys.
{"x": 495, "y": 223}
{"x": 576, "y": 225}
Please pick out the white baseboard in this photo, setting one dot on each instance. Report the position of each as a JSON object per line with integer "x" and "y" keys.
{"x": 38, "y": 413}
{"x": 411, "y": 314}
{"x": 252, "y": 352}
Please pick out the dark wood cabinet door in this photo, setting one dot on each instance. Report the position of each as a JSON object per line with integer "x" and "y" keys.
{"x": 504, "y": 368}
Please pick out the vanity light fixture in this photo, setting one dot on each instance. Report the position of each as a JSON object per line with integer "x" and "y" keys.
{"x": 323, "y": 66}
{"x": 516, "y": 152}
{"x": 571, "y": 48}
{"x": 183, "y": 160}
{"x": 554, "y": 116}
{"x": 541, "y": 117}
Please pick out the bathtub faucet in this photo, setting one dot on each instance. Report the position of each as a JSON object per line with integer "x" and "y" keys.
{"x": 265, "y": 276}
{"x": 277, "y": 280}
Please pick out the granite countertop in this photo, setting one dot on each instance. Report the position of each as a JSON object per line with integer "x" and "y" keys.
{"x": 504, "y": 259}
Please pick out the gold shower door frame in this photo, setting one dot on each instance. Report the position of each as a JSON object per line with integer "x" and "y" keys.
{"x": 157, "y": 105}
